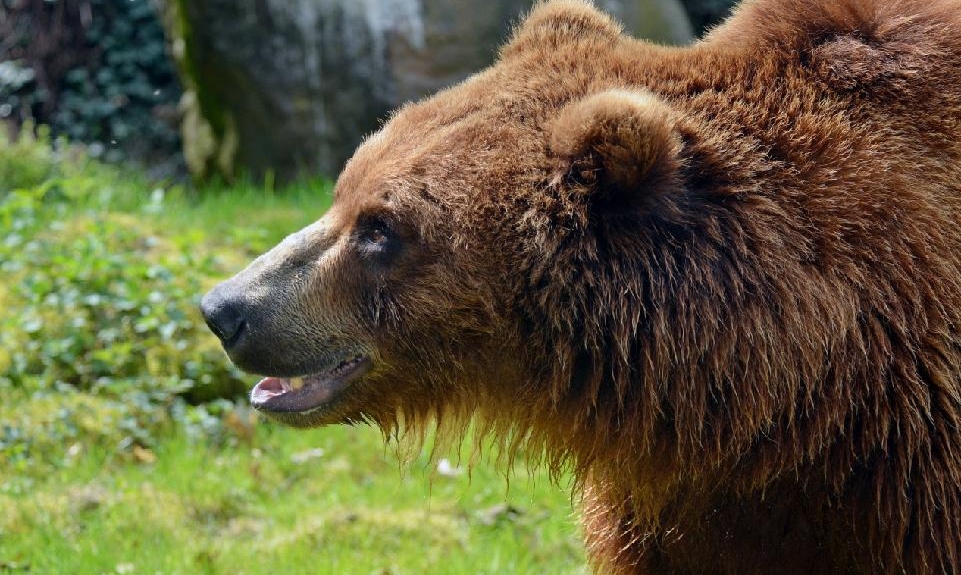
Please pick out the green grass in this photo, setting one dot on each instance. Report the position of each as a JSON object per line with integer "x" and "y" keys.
{"x": 124, "y": 476}
{"x": 246, "y": 215}
{"x": 282, "y": 501}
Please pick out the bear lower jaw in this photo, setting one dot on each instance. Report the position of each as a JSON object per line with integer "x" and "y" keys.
{"x": 309, "y": 393}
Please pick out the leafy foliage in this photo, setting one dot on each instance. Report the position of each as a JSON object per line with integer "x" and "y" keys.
{"x": 97, "y": 301}
{"x": 104, "y": 302}
{"x": 96, "y": 71}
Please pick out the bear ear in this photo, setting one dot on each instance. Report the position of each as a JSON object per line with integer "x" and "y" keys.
{"x": 620, "y": 146}
{"x": 553, "y": 24}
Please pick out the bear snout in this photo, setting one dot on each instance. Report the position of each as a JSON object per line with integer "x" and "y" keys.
{"x": 250, "y": 333}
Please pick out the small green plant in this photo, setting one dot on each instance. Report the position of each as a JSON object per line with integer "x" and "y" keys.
{"x": 26, "y": 162}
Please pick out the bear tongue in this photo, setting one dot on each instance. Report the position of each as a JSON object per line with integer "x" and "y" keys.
{"x": 281, "y": 394}
{"x": 268, "y": 388}
{"x": 278, "y": 393}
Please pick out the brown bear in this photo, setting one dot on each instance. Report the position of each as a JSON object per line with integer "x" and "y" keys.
{"x": 720, "y": 283}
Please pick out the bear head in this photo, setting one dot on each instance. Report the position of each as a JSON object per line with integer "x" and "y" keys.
{"x": 469, "y": 247}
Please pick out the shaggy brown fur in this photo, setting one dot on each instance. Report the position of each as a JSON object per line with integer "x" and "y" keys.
{"x": 721, "y": 283}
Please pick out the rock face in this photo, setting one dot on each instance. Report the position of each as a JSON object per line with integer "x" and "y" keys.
{"x": 292, "y": 86}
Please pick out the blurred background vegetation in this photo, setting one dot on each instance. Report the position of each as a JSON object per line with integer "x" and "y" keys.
{"x": 148, "y": 150}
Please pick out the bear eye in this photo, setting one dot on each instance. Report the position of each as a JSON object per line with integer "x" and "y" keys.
{"x": 375, "y": 233}
{"x": 377, "y": 236}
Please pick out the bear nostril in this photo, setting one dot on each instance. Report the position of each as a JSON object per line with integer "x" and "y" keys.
{"x": 227, "y": 329}
{"x": 223, "y": 317}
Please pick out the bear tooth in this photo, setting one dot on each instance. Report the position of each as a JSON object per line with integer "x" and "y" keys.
{"x": 296, "y": 383}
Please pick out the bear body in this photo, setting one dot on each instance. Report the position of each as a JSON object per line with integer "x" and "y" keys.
{"x": 720, "y": 283}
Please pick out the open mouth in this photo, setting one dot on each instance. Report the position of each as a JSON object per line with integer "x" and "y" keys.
{"x": 307, "y": 393}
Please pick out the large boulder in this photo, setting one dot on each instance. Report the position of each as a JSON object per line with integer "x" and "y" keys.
{"x": 292, "y": 86}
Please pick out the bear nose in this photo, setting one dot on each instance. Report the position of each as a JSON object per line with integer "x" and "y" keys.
{"x": 223, "y": 316}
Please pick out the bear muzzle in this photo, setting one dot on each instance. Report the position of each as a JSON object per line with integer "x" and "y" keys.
{"x": 298, "y": 382}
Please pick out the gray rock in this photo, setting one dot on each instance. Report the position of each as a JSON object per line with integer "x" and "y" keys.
{"x": 292, "y": 86}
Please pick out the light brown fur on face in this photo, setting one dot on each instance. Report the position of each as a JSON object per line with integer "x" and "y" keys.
{"x": 721, "y": 283}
